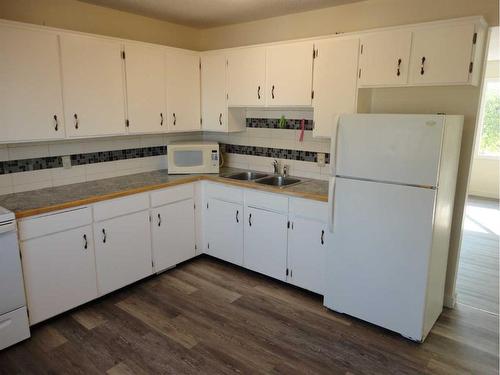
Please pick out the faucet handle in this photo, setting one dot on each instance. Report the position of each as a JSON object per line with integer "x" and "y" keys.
{"x": 285, "y": 170}
{"x": 276, "y": 166}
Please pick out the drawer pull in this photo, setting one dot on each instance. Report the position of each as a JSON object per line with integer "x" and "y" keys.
{"x": 85, "y": 242}
{"x": 422, "y": 70}
{"x": 76, "y": 120}
{"x": 398, "y": 70}
{"x": 159, "y": 220}
{"x": 237, "y": 216}
{"x": 104, "y": 236}
{"x": 322, "y": 237}
{"x": 250, "y": 219}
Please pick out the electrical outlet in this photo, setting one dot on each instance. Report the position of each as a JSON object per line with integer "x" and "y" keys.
{"x": 66, "y": 162}
{"x": 321, "y": 159}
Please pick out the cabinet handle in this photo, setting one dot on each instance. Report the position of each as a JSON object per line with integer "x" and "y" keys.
{"x": 258, "y": 92}
{"x": 322, "y": 237}
{"x": 56, "y": 125}
{"x": 161, "y": 116}
{"x": 104, "y": 236}
{"x": 398, "y": 70}
{"x": 237, "y": 216}
{"x": 159, "y": 220}
{"x": 175, "y": 119}
{"x": 422, "y": 70}
{"x": 272, "y": 92}
{"x": 76, "y": 120}
{"x": 220, "y": 119}
{"x": 85, "y": 243}
{"x": 250, "y": 219}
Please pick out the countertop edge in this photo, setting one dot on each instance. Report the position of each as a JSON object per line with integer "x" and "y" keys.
{"x": 188, "y": 179}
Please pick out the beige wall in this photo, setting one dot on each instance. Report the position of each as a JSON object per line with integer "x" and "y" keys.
{"x": 344, "y": 18}
{"x": 79, "y": 16}
{"x": 485, "y": 174}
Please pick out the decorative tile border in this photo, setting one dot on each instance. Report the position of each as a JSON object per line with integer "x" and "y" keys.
{"x": 272, "y": 123}
{"x": 278, "y": 153}
{"x": 27, "y": 165}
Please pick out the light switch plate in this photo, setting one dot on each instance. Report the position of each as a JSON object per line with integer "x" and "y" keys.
{"x": 66, "y": 161}
{"x": 321, "y": 159}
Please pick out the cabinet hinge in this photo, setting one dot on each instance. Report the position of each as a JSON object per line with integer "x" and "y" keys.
{"x": 150, "y": 218}
{"x": 123, "y": 55}
{"x": 153, "y": 264}
{"x": 208, "y": 245}
{"x": 314, "y": 53}
{"x": 201, "y": 121}
{"x": 361, "y": 52}
{"x": 194, "y": 206}
{"x": 227, "y": 96}
{"x": 287, "y": 272}
{"x": 471, "y": 66}
{"x": 359, "y": 73}
{"x": 195, "y": 247}
{"x": 207, "y": 205}
{"x": 288, "y": 224}
{"x": 200, "y": 64}
{"x": 312, "y": 94}
{"x": 227, "y": 62}
{"x": 127, "y": 123}
{"x": 474, "y": 38}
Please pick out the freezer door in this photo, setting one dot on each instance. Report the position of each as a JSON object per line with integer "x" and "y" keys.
{"x": 379, "y": 253}
{"x": 396, "y": 148}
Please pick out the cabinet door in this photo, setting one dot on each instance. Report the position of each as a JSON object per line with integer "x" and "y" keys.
{"x": 59, "y": 272}
{"x": 123, "y": 251}
{"x": 30, "y": 89}
{"x": 307, "y": 244}
{"x": 173, "y": 234}
{"x": 289, "y": 74}
{"x": 213, "y": 92}
{"x": 93, "y": 86}
{"x": 183, "y": 91}
{"x": 246, "y": 77}
{"x": 146, "y": 103}
{"x": 335, "y": 82}
{"x": 442, "y": 55}
{"x": 266, "y": 242}
{"x": 225, "y": 231}
{"x": 384, "y": 58}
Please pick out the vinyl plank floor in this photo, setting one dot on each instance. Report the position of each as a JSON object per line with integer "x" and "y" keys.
{"x": 208, "y": 317}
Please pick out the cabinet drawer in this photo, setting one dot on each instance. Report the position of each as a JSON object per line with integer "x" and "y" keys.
{"x": 121, "y": 206}
{"x": 266, "y": 201}
{"x": 171, "y": 195}
{"x": 54, "y": 222}
{"x": 13, "y": 327}
{"x": 224, "y": 193}
{"x": 309, "y": 209}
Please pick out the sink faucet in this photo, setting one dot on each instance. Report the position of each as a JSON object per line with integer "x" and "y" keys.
{"x": 285, "y": 170}
{"x": 276, "y": 166}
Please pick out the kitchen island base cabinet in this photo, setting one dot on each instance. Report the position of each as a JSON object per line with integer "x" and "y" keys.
{"x": 59, "y": 272}
{"x": 122, "y": 250}
{"x": 173, "y": 234}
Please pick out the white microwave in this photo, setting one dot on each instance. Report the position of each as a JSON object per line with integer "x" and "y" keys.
{"x": 193, "y": 157}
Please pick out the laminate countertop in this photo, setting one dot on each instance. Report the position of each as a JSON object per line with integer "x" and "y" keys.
{"x": 41, "y": 201}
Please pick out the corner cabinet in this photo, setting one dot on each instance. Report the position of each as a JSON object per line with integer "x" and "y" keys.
{"x": 289, "y": 74}
{"x": 30, "y": 86}
{"x": 93, "y": 86}
{"x": 183, "y": 91}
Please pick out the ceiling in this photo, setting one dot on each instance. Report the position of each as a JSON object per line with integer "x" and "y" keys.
{"x": 211, "y": 13}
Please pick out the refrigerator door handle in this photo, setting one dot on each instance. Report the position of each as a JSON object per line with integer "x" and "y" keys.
{"x": 331, "y": 191}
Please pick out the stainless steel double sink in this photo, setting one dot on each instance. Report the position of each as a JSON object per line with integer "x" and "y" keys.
{"x": 264, "y": 179}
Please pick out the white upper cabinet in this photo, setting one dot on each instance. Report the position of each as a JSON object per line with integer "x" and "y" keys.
{"x": 30, "y": 86}
{"x": 183, "y": 91}
{"x": 246, "y": 73}
{"x": 335, "y": 82}
{"x": 146, "y": 102}
{"x": 384, "y": 58}
{"x": 93, "y": 86}
{"x": 289, "y": 74}
{"x": 213, "y": 92}
{"x": 442, "y": 54}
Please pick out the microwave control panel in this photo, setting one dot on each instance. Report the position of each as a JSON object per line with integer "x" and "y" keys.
{"x": 215, "y": 158}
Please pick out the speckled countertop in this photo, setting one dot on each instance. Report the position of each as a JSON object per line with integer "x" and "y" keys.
{"x": 61, "y": 197}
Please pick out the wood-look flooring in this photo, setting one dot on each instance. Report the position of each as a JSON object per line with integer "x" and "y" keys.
{"x": 208, "y": 317}
{"x": 478, "y": 272}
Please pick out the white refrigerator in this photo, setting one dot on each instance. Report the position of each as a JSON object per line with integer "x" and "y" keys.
{"x": 391, "y": 200}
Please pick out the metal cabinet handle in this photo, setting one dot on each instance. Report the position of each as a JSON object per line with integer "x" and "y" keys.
{"x": 104, "y": 236}
{"x": 422, "y": 70}
{"x": 76, "y": 120}
{"x": 56, "y": 125}
{"x": 250, "y": 219}
{"x": 175, "y": 119}
{"x": 258, "y": 92}
{"x": 159, "y": 220}
{"x": 85, "y": 242}
{"x": 398, "y": 70}
{"x": 272, "y": 92}
{"x": 322, "y": 237}
{"x": 220, "y": 119}
{"x": 161, "y": 116}
{"x": 237, "y": 216}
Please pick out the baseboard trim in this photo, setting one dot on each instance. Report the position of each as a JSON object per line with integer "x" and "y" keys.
{"x": 450, "y": 300}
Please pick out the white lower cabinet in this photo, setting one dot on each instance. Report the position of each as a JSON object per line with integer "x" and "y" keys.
{"x": 224, "y": 230}
{"x": 59, "y": 271}
{"x": 266, "y": 242}
{"x": 122, "y": 250}
{"x": 173, "y": 234}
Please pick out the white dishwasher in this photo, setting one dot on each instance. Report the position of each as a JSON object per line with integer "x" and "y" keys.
{"x": 14, "y": 326}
